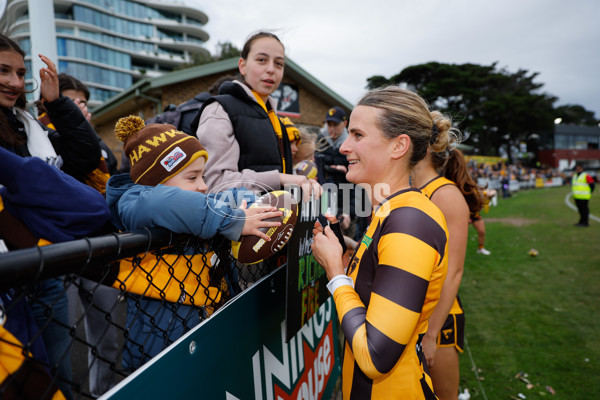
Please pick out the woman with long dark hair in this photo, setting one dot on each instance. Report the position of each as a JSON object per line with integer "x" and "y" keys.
{"x": 72, "y": 147}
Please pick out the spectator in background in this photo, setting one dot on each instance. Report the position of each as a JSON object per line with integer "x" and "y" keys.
{"x": 306, "y": 147}
{"x": 386, "y": 296}
{"x": 172, "y": 197}
{"x": 582, "y": 186}
{"x": 73, "y": 147}
{"x": 74, "y": 89}
{"x": 241, "y": 130}
{"x": 293, "y": 134}
{"x": 476, "y": 220}
{"x": 333, "y": 166}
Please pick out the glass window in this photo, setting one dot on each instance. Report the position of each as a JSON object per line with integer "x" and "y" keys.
{"x": 65, "y": 29}
{"x": 78, "y": 49}
{"x": 115, "y": 24}
{"x": 134, "y": 45}
{"x": 561, "y": 141}
{"x": 92, "y": 73}
{"x": 127, "y": 7}
{"x": 101, "y": 94}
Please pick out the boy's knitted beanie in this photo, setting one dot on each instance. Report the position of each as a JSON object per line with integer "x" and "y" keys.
{"x": 156, "y": 152}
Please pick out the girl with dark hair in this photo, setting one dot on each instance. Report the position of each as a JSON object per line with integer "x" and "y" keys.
{"x": 72, "y": 147}
{"x": 240, "y": 129}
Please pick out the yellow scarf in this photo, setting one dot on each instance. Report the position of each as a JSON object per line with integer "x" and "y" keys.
{"x": 276, "y": 125}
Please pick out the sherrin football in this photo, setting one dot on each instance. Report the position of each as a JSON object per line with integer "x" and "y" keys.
{"x": 307, "y": 168}
{"x": 252, "y": 249}
{"x": 533, "y": 253}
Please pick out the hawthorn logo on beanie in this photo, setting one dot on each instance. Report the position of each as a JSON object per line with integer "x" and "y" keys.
{"x": 156, "y": 152}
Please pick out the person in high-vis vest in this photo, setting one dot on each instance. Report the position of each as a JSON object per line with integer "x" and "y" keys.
{"x": 582, "y": 186}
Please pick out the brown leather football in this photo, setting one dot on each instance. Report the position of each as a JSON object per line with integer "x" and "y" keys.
{"x": 307, "y": 168}
{"x": 252, "y": 249}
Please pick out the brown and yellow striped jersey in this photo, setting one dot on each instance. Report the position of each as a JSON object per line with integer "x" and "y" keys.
{"x": 398, "y": 270}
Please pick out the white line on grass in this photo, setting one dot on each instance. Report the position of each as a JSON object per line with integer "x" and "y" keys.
{"x": 572, "y": 206}
{"x": 475, "y": 369}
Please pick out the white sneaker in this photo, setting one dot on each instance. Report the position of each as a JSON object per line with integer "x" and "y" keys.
{"x": 484, "y": 251}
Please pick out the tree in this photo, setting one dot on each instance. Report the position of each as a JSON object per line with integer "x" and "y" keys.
{"x": 576, "y": 114}
{"x": 224, "y": 51}
{"x": 495, "y": 108}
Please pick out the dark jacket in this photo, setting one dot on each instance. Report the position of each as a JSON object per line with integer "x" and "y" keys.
{"x": 324, "y": 159}
{"x": 74, "y": 138}
{"x": 259, "y": 147}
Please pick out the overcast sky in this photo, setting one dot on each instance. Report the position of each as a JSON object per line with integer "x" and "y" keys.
{"x": 342, "y": 43}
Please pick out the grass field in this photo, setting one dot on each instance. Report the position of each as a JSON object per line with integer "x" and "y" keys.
{"x": 534, "y": 316}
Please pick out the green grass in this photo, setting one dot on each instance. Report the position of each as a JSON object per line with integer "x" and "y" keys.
{"x": 536, "y": 315}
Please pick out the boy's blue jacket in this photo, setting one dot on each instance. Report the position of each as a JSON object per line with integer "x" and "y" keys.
{"x": 134, "y": 206}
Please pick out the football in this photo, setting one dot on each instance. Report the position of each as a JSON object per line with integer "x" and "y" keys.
{"x": 307, "y": 168}
{"x": 252, "y": 249}
{"x": 533, "y": 253}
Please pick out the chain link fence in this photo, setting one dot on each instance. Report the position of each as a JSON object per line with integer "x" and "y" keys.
{"x": 78, "y": 317}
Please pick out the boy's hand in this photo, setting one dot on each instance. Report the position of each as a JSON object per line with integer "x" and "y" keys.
{"x": 256, "y": 218}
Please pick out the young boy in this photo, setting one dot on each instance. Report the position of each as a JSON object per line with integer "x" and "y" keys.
{"x": 165, "y": 188}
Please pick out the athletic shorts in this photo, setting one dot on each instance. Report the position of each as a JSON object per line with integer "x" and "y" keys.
{"x": 474, "y": 216}
{"x": 453, "y": 332}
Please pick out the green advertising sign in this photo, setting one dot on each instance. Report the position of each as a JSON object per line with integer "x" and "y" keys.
{"x": 307, "y": 281}
{"x": 241, "y": 352}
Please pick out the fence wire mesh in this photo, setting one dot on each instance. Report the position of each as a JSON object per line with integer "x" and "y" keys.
{"x": 79, "y": 317}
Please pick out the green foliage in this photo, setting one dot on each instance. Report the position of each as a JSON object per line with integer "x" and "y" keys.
{"x": 534, "y": 315}
{"x": 224, "y": 51}
{"x": 492, "y": 106}
{"x": 577, "y": 115}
